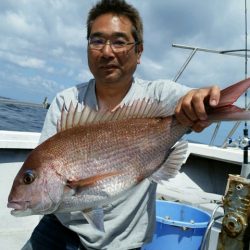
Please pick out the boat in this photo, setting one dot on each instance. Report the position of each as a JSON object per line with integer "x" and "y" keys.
{"x": 201, "y": 183}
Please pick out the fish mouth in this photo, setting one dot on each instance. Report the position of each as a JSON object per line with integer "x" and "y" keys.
{"x": 19, "y": 208}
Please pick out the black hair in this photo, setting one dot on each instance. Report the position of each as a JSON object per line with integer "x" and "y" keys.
{"x": 120, "y": 8}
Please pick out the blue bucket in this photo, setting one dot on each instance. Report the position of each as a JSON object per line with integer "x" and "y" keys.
{"x": 178, "y": 226}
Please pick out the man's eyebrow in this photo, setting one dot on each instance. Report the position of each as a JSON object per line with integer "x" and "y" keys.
{"x": 96, "y": 34}
{"x": 120, "y": 34}
{"x": 114, "y": 34}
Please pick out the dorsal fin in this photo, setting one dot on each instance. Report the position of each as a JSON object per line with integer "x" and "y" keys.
{"x": 83, "y": 114}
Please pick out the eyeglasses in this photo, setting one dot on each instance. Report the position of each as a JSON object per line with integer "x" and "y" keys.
{"x": 117, "y": 45}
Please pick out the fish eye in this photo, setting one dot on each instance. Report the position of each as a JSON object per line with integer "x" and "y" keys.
{"x": 29, "y": 177}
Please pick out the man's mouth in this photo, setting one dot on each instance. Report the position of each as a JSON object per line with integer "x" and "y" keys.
{"x": 109, "y": 66}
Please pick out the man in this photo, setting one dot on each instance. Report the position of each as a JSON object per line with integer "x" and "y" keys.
{"x": 115, "y": 46}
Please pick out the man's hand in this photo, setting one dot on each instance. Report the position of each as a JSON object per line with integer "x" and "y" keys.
{"x": 190, "y": 110}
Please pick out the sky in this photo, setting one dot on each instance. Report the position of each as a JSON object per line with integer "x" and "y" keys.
{"x": 43, "y": 44}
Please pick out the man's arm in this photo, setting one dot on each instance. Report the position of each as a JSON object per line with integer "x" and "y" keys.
{"x": 190, "y": 110}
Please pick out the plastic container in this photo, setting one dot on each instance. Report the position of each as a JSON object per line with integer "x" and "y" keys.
{"x": 178, "y": 227}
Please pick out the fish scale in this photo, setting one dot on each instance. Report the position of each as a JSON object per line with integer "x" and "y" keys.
{"x": 109, "y": 148}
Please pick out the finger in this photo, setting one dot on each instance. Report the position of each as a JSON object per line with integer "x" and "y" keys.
{"x": 214, "y": 96}
{"x": 213, "y": 93}
{"x": 198, "y": 104}
{"x": 200, "y": 126}
{"x": 186, "y": 106}
{"x": 180, "y": 113}
{"x": 183, "y": 119}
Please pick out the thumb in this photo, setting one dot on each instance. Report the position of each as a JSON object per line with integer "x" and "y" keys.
{"x": 214, "y": 96}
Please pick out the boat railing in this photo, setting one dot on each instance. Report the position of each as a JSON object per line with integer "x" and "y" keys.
{"x": 222, "y": 52}
{"x": 44, "y": 104}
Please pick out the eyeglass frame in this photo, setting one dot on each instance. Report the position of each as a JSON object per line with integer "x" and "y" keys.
{"x": 109, "y": 42}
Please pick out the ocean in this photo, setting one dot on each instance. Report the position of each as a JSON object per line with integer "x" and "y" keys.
{"x": 25, "y": 118}
{"x": 21, "y": 118}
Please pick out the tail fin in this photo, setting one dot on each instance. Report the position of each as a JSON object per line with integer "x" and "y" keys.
{"x": 225, "y": 110}
{"x": 231, "y": 94}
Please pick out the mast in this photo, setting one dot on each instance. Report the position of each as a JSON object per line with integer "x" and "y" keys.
{"x": 245, "y": 170}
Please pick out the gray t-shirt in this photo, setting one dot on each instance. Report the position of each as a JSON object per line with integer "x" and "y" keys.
{"x": 129, "y": 220}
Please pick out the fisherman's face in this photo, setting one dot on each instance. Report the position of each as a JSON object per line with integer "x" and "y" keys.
{"x": 106, "y": 64}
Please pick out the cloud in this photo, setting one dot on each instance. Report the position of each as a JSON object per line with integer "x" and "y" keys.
{"x": 43, "y": 44}
{"x": 83, "y": 76}
{"x": 45, "y": 41}
{"x": 36, "y": 83}
{"x": 23, "y": 61}
{"x": 28, "y": 88}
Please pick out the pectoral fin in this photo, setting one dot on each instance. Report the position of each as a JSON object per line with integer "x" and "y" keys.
{"x": 173, "y": 163}
{"x": 95, "y": 218}
{"x": 90, "y": 181}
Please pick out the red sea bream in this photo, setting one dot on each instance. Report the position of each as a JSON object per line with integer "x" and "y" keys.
{"x": 96, "y": 156}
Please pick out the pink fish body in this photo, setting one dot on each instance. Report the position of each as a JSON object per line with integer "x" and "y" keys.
{"x": 96, "y": 156}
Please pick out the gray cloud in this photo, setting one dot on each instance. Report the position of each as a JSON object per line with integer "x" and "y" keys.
{"x": 48, "y": 38}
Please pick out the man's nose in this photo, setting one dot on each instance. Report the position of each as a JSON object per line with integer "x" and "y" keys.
{"x": 107, "y": 50}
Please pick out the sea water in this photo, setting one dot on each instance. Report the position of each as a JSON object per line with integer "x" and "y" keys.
{"x": 26, "y": 118}
{"x": 21, "y": 118}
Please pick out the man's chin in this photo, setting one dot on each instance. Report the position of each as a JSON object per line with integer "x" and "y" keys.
{"x": 110, "y": 78}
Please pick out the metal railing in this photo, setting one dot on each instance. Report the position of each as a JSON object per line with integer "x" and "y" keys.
{"x": 222, "y": 52}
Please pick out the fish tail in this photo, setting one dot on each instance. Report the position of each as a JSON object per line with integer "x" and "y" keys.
{"x": 225, "y": 110}
{"x": 229, "y": 113}
{"x": 231, "y": 94}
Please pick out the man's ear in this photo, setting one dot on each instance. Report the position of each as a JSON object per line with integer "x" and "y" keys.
{"x": 139, "y": 52}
